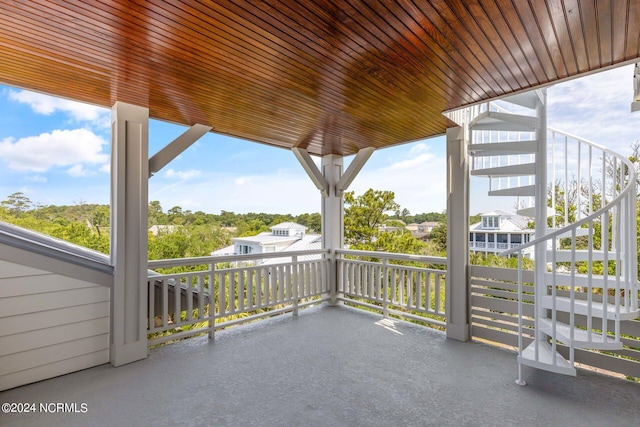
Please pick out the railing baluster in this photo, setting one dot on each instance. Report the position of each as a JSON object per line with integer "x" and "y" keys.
{"x": 151, "y": 286}
{"x": 165, "y": 303}
{"x": 212, "y": 310}
{"x": 296, "y": 284}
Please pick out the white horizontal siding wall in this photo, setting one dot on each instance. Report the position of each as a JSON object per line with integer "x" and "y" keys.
{"x": 50, "y": 324}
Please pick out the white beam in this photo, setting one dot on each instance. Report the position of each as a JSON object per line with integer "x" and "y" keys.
{"x": 129, "y": 222}
{"x": 176, "y": 147}
{"x": 353, "y": 169}
{"x": 312, "y": 170}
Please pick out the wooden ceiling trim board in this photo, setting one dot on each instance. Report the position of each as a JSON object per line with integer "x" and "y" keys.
{"x": 462, "y": 56}
{"x": 620, "y": 15}
{"x": 633, "y": 30}
{"x": 385, "y": 100}
{"x": 386, "y": 39}
{"x": 518, "y": 33}
{"x": 551, "y": 18}
{"x": 590, "y": 31}
{"x": 267, "y": 51}
{"x": 604, "y": 31}
{"x": 459, "y": 19}
{"x": 351, "y": 38}
{"x": 231, "y": 65}
{"x": 351, "y": 73}
{"x": 303, "y": 39}
{"x": 532, "y": 29}
{"x": 495, "y": 32}
{"x": 407, "y": 32}
{"x": 298, "y": 27}
{"x": 576, "y": 35}
{"x": 497, "y": 17}
{"x": 327, "y": 59}
{"x": 354, "y": 50}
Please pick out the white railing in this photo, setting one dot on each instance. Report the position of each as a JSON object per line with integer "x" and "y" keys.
{"x": 409, "y": 286}
{"x": 595, "y": 251}
{"x": 220, "y": 291}
{"x": 492, "y": 245}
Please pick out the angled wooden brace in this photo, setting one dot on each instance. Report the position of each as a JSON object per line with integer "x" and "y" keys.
{"x": 354, "y": 168}
{"x": 312, "y": 170}
{"x": 176, "y": 147}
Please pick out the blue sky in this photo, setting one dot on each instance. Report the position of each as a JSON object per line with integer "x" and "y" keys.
{"x": 57, "y": 152}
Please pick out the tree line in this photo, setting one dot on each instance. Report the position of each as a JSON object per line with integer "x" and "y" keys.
{"x": 199, "y": 233}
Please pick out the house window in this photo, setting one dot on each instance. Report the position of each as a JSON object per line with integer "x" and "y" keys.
{"x": 244, "y": 249}
{"x": 491, "y": 222}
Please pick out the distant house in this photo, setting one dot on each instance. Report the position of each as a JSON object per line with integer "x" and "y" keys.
{"x": 385, "y": 228}
{"x": 423, "y": 230}
{"x": 283, "y": 237}
{"x": 427, "y": 226}
{"x": 412, "y": 228}
{"x": 498, "y": 231}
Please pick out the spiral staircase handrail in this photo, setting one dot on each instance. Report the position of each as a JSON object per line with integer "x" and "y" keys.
{"x": 632, "y": 176}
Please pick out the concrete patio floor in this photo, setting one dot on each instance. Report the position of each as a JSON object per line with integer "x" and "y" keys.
{"x": 330, "y": 366}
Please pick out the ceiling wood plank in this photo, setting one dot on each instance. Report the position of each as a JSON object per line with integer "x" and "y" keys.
{"x": 329, "y": 76}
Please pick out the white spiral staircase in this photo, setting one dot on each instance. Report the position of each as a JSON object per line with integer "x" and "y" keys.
{"x": 548, "y": 170}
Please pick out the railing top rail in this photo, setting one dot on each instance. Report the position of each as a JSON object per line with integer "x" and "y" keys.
{"x": 231, "y": 258}
{"x": 591, "y": 143}
{"x": 394, "y": 256}
{"x": 624, "y": 193}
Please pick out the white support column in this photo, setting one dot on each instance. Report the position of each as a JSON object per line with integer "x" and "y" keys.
{"x": 332, "y": 215}
{"x": 332, "y": 183}
{"x": 129, "y": 204}
{"x": 457, "y": 283}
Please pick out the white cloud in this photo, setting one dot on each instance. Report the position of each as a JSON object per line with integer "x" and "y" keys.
{"x": 59, "y": 148}
{"x": 597, "y": 108}
{"x": 77, "y": 111}
{"x": 182, "y": 175}
{"x": 243, "y": 180}
{"x": 77, "y": 171}
{"x": 419, "y": 148}
{"x": 278, "y": 192}
{"x": 418, "y": 180}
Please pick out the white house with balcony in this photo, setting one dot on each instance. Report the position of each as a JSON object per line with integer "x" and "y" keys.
{"x": 283, "y": 237}
{"x": 498, "y": 231}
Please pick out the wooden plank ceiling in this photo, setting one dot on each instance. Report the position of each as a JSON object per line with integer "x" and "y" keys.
{"x": 332, "y": 76}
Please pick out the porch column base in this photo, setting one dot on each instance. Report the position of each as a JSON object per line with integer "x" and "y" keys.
{"x": 132, "y": 352}
{"x": 458, "y": 332}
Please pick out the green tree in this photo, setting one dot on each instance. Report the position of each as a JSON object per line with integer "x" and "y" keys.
{"x": 364, "y": 214}
{"x": 313, "y": 221}
{"x": 17, "y": 203}
{"x": 439, "y": 237}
